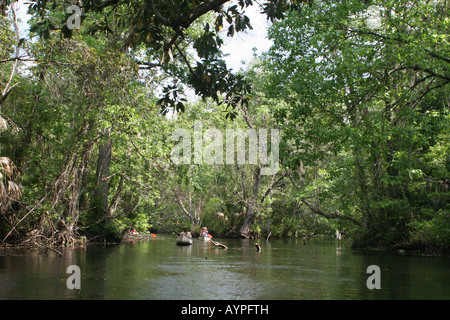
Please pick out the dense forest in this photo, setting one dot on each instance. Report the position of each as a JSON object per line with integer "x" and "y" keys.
{"x": 90, "y": 105}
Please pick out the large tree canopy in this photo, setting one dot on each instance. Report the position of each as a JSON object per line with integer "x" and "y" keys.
{"x": 163, "y": 34}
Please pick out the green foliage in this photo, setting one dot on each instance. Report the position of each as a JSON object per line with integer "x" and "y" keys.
{"x": 7, "y": 38}
{"x": 367, "y": 103}
{"x": 431, "y": 231}
{"x": 359, "y": 92}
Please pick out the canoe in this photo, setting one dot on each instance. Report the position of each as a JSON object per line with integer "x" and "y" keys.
{"x": 184, "y": 240}
{"x": 204, "y": 238}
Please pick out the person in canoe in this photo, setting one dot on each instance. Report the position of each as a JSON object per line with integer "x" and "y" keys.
{"x": 204, "y": 235}
{"x": 204, "y": 232}
{"x": 184, "y": 238}
{"x": 186, "y": 232}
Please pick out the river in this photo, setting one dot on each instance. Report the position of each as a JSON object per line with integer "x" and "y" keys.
{"x": 283, "y": 270}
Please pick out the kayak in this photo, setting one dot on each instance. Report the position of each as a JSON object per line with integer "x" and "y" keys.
{"x": 184, "y": 240}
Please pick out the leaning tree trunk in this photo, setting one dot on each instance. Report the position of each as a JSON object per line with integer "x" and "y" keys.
{"x": 101, "y": 192}
{"x": 251, "y": 212}
{"x": 68, "y": 189}
{"x": 244, "y": 231}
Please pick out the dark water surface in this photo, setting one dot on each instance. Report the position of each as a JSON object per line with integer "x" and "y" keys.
{"x": 283, "y": 270}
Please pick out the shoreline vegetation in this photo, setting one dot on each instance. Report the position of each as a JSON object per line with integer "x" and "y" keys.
{"x": 117, "y": 120}
{"x": 418, "y": 249}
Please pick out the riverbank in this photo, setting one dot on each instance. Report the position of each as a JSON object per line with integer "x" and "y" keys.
{"x": 415, "y": 246}
{"x": 408, "y": 248}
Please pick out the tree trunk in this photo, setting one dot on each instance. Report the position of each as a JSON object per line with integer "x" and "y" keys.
{"x": 72, "y": 179}
{"x": 193, "y": 217}
{"x": 251, "y": 213}
{"x": 244, "y": 231}
{"x": 102, "y": 186}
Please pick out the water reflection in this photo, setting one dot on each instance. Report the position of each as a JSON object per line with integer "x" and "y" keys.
{"x": 284, "y": 269}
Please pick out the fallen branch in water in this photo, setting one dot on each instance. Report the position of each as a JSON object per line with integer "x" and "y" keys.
{"x": 308, "y": 236}
{"x": 218, "y": 244}
{"x": 46, "y": 248}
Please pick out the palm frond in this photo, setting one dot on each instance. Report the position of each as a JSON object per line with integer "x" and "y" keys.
{"x": 14, "y": 191}
{"x": 6, "y": 167}
{"x": 3, "y": 124}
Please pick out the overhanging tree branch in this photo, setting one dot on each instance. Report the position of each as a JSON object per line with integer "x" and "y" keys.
{"x": 201, "y": 10}
{"x": 158, "y": 14}
{"x": 431, "y": 72}
{"x": 7, "y": 90}
{"x": 327, "y": 215}
{"x": 336, "y": 215}
{"x": 274, "y": 184}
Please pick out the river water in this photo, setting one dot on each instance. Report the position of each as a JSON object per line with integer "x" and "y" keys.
{"x": 283, "y": 270}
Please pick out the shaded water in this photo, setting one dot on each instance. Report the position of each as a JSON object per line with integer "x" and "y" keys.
{"x": 284, "y": 269}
